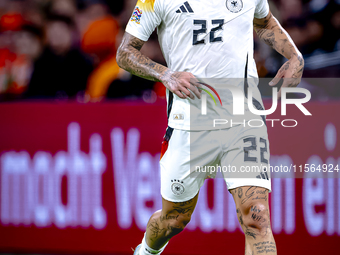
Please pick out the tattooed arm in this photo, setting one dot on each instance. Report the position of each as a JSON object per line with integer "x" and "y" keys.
{"x": 272, "y": 33}
{"x": 132, "y": 60}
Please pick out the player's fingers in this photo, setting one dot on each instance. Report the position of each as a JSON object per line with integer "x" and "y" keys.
{"x": 294, "y": 82}
{"x": 180, "y": 94}
{"x": 279, "y": 94}
{"x": 290, "y": 82}
{"x": 187, "y": 92}
{"x": 193, "y": 84}
{"x": 187, "y": 86}
{"x": 286, "y": 82}
{"x": 276, "y": 79}
{"x": 194, "y": 88}
{"x": 198, "y": 85}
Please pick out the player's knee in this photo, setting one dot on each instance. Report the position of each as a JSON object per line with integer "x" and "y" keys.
{"x": 176, "y": 225}
{"x": 256, "y": 219}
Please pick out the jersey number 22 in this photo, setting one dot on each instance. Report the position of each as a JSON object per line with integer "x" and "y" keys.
{"x": 203, "y": 30}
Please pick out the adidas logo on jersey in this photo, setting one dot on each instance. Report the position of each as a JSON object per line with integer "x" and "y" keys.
{"x": 185, "y": 8}
{"x": 263, "y": 175}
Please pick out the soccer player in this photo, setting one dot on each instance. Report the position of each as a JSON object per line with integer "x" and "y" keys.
{"x": 207, "y": 39}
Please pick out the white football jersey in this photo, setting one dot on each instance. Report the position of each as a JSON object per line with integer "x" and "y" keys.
{"x": 211, "y": 39}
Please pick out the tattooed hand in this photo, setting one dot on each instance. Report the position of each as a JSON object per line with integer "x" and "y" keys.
{"x": 180, "y": 83}
{"x": 273, "y": 34}
{"x": 291, "y": 72}
{"x": 131, "y": 59}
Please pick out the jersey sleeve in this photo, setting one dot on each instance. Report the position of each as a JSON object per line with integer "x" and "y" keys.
{"x": 145, "y": 18}
{"x": 261, "y": 9}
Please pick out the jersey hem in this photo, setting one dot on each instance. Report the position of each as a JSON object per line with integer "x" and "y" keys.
{"x": 178, "y": 200}
{"x": 136, "y": 34}
{"x": 260, "y": 16}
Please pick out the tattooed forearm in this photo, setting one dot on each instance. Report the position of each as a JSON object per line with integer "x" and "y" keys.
{"x": 132, "y": 60}
{"x": 272, "y": 33}
{"x": 299, "y": 69}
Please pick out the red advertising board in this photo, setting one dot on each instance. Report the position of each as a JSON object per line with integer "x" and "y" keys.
{"x": 84, "y": 178}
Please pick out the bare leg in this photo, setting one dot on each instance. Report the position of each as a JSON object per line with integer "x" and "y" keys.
{"x": 253, "y": 214}
{"x": 168, "y": 222}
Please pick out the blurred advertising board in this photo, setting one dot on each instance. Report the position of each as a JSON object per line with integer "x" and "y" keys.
{"x": 84, "y": 178}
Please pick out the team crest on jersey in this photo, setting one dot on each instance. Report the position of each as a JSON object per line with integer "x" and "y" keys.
{"x": 137, "y": 14}
{"x": 234, "y": 5}
{"x": 177, "y": 187}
